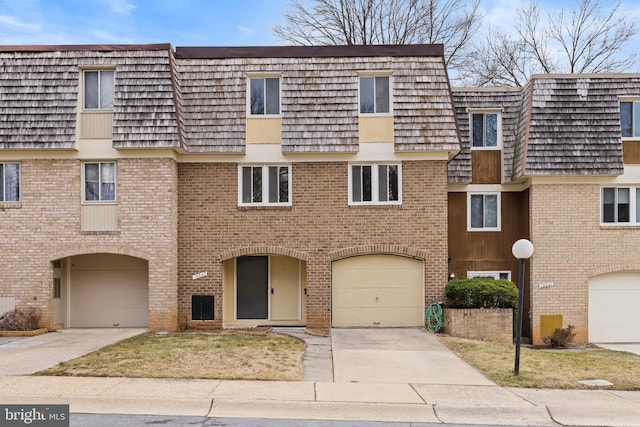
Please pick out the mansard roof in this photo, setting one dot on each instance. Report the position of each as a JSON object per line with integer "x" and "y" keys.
{"x": 555, "y": 125}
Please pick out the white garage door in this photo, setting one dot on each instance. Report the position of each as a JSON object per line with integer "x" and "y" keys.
{"x": 377, "y": 290}
{"x": 614, "y": 307}
{"x": 108, "y": 291}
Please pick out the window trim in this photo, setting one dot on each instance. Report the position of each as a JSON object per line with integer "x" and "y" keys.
{"x": 498, "y": 211}
{"x": 374, "y": 74}
{"x": 115, "y": 181}
{"x": 374, "y": 184}
{"x": 484, "y": 112}
{"x": 3, "y": 182}
{"x": 488, "y": 273}
{"x": 634, "y": 126}
{"x": 265, "y": 185}
{"x": 99, "y": 70}
{"x": 256, "y": 76}
{"x": 633, "y": 206}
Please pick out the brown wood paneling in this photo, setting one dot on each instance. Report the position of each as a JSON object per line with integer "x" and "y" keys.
{"x": 486, "y": 166}
{"x": 631, "y": 152}
{"x": 489, "y": 250}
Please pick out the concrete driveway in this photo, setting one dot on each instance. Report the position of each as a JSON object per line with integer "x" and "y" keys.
{"x": 628, "y": 347}
{"x": 398, "y": 355}
{"x": 26, "y": 355}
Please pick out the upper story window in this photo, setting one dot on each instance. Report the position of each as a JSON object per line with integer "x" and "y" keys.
{"x": 483, "y": 211}
{"x": 485, "y": 130}
{"x": 620, "y": 205}
{"x": 262, "y": 185}
{"x": 375, "y": 184}
{"x": 264, "y": 96}
{"x": 98, "y": 89}
{"x": 375, "y": 95}
{"x": 9, "y": 182}
{"x": 99, "y": 181}
{"x": 630, "y": 119}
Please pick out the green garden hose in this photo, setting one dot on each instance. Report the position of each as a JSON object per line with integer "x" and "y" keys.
{"x": 434, "y": 316}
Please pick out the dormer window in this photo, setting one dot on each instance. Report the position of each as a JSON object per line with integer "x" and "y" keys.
{"x": 98, "y": 89}
{"x": 485, "y": 130}
{"x": 264, "y": 96}
{"x": 630, "y": 119}
{"x": 375, "y": 95}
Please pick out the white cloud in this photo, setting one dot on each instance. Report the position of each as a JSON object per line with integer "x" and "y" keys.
{"x": 245, "y": 31}
{"x": 17, "y": 24}
{"x": 121, "y": 7}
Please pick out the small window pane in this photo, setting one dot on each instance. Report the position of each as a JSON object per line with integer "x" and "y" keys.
{"x": 366, "y": 184}
{"x": 477, "y": 211}
{"x": 608, "y": 205}
{"x": 92, "y": 181}
{"x": 366, "y": 95}
{"x": 623, "y": 205}
{"x": 106, "y": 89}
{"x": 382, "y": 94}
{"x": 625, "y": 118}
{"x": 478, "y": 130}
{"x": 504, "y": 275}
{"x": 257, "y": 96}
{"x": 356, "y": 183}
{"x": 638, "y": 205}
{"x": 491, "y": 122}
{"x": 273, "y": 184}
{"x": 91, "y": 89}
{"x": 257, "y": 185}
{"x": 491, "y": 210}
{"x": 284, "y": 184}
{"x": 383, "y": 182}
{"x": 393, "y": 183}
{"x": 11, "y": 182}
{"x": 636, "y": 119}
{"x": 272, "y": 96}
{"x": 246, "y": 185}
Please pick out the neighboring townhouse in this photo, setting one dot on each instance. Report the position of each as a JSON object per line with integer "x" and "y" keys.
{"x": 558, "y": 162}
{"x": 214, "y": 187}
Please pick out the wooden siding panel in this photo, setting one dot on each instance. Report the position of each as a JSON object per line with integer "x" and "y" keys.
{"x": 486, "y": 166}
{"x": 631, "y": 152}
{"x": 375, "y": 129}
{"x": 96, "y": 125}
{"x": 99, "y": 217}
{"x": 264, "y": 130}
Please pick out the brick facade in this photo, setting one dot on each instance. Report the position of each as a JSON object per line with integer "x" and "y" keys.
{"x": 45, "y": 226}
{"x": 570, "y": 248}
{"x": 318, "y": 228}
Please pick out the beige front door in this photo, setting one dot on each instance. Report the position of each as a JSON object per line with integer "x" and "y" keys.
{"x": 59, "y": 291}
{"x": 285, "y": 288}
{"x": 377, "y": 291}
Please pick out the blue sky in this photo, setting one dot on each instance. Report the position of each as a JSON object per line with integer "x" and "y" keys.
{"x": 179, "y": 22}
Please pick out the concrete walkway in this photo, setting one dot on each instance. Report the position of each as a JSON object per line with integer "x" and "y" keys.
{"x": 375, "y": 358}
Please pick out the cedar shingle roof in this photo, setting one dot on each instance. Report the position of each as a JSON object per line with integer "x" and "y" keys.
{"x": 555, "y": 125}
{"x": 39, "y": 95}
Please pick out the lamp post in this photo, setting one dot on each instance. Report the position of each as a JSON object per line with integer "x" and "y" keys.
{"x": 521, "y": 249}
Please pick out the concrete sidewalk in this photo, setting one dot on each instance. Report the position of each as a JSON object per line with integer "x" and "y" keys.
{"x": 452, "y": 404}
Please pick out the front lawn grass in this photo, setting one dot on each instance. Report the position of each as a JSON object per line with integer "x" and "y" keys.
{"x": 227, "y": 354}
{"x": 548, "y": 368}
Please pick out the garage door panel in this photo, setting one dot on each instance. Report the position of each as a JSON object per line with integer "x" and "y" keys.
{"x": 107, "y": 298}
{"x": 377, "y": 290}
{"x": 614, "y": 314}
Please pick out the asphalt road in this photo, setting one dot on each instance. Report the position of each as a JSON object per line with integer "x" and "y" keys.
{"x": 110, "y": 420}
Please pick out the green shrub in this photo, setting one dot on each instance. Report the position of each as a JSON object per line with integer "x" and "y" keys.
{"x": 481, "y": 292}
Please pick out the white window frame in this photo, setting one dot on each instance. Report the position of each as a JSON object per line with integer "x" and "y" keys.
{"x": 375, "y": 182}
{"x": 498, "y": 211}
{"x": 635, "y": 127}
{"x": 490, "y": 273}
{"x": 115, "y": 182}
{"x": 498, "y": 114}
{"x": 84, "y": 88}
{"x": 634, "y": 199}
{"x": 3, "y": 182}
{"x": 374, "y": 74}
{"x": 265, "y": 185}
{"x": 263, "y": 76}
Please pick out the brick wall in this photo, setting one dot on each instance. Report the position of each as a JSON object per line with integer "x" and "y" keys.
{"x": 319, "y": 227}
{"x": 45, "y": 226}
{"x": 570, "y": 248}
